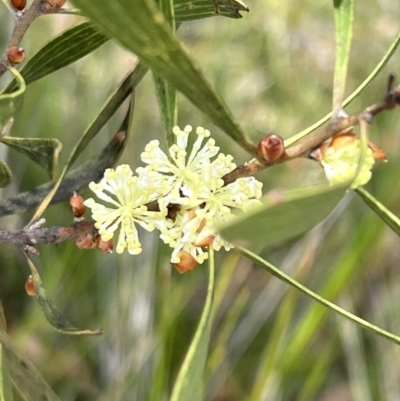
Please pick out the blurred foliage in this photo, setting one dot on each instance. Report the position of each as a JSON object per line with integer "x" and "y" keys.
{"x": 274, "y": 69}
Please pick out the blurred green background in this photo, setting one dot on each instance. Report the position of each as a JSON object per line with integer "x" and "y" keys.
{"x": 274, "y": 68}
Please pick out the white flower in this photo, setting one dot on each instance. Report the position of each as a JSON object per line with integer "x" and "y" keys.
{"x": 195, "y": 228}
{"x": 187, "y": 174}
{"x": 190, "y": 180}
{"x": 128, "y": 196}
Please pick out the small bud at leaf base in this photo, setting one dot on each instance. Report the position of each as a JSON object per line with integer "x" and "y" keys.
{"x": 19, "y": 4}
{"x": 106, "y": 246}
{"x": 15, "y": 55}
{"x": 76, "y": 205}
{"x": 271, "y": 148}
{"x": 30, "y": 287}
{"x": 187, "y": 262}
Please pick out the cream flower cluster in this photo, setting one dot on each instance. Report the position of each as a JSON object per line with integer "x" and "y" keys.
{"x": 191, "y": 182}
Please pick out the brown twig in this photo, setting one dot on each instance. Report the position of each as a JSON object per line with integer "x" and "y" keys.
{"x": 306, "y": 145}
{"x": 29, "y": 237}
{"x": 23, "y": 20}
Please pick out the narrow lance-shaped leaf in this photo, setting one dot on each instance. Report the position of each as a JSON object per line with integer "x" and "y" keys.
{"x": 5, "y": 175}
{"x": 382, "y": 211}
{"x": 166, "y": 94}
{"x": 344, "y": 16}
{"x": 43, "y": 151}
{"x": 66, "y": 48}
{"x": 6, "y": 393}
{"x": 197, "y": 9}
{"x": 76, "y": 180}
{"x": 82, "y": 39}
{"x": 10, "y": 103}
{"x": 189, "y": 383}
{"x": 26, "y": 380}
{"x": 296, "y": 212}
{"x": 108, "y": 110}
{"x": 52, "y": 315}
{"x": 292, "y": 282}
{"x": 140, "y": 27}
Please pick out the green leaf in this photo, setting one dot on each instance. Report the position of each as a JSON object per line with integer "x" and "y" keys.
{"x": 6, "y": 393}
{"x": 52, "y": 315}
{"x": 26, "y": 380}
{"x": 168, "y": 103}
{"x": 189, "y": 383}
{"x": 193, "y": 10}
{"x": 344, "y": 16}
{"x": 140, "y": 27}
{"x": 296, "y": 212}
{"x": 111, "y": 106}
{"x": 76, "y": 180}
{"x": 292, "y": 282}
{"x": 166, "y": 94}
{"x": 66, "y": 48}
{"x": 43, "y": 151}
{"x": 11, "y": 103}
{"x": 5, "y": 175}
{"x": 384, "y": 213}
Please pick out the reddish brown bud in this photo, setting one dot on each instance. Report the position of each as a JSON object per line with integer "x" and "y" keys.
{"x": 18, "y": 4}
{"x": 56, "y": 3}
{"x": 271, "y": 148}
{"x": 87, "y": 242}
{"x": 76, "y": 205}
{"x": 30, "y": 287}
{"x": 106, "y": 246}
{"x": 187, "y": 262}
{"x": 15, "y": 55}
{"x": 377, "y": 151}
{"x": 205, "y": 241}
{"x": 338, "y": 141}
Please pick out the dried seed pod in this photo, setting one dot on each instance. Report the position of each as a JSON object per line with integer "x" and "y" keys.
{"x": 106, "y": 246}
{"x": 187, "y": 262}
{"x": 15, "y": 55}
{"x": 19, "y": 4}
{"x": 271, "y": 148}
{"x": 30, "y": 287}
{"x": 76, "y": 205}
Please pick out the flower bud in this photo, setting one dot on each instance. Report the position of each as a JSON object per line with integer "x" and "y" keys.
{"x": 187, "y": 262}
{"x": 76, "y": 205}
{"x": 87, "y": 242}
{"x": 377, "y": 151}
{"x": 15, "y": 55}
{"x": 56, "y": 3}
{"x": 271, "y": 148}
{"x": 204, "y": 241}
{"x": 30, "y": 287}
{"x": 106, "y": 246}
{"x": 18, "y": 4}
